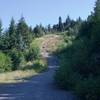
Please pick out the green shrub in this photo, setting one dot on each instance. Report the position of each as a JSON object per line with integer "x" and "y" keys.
{"x": 5, "y": 62}
{"x": 88, "y": 89}
{"x": 33, "y": 52}
{"x": 16, "y": 57}
{"x": 28, "y": 55}
{"x": 80, "y": 70}
{"x": 39, "y": 65}
{"x": 23, "y": 62}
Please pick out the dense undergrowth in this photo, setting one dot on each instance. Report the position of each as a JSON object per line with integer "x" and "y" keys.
{"x": 29, "y": 59}
{"x": 80, "y": 61}
{"x": 21, "y": 64}
{"x": 78, "y": 52}
{"x": 79, "y": 69}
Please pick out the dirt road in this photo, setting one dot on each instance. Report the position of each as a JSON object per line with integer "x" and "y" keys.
{"x": 40, "y": 87}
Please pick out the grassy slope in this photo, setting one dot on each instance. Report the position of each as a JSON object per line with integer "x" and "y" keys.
{"x": 49, "y": 43}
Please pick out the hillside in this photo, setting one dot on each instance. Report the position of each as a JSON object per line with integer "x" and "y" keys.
{"x": 49, "y": 43}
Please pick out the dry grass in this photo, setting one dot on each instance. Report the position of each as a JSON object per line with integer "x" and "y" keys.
{"x": 20, "y": 75}
{"x": 16, "y": 76}
{"x": 49, "y": 43}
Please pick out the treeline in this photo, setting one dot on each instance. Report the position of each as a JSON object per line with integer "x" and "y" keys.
{"x": 19, "y": 35}
{"x": 15, "y": 44}
{"x": 71, "y": 26}
{"x": 80, "y": 62}
{"x": 15, "y": 41}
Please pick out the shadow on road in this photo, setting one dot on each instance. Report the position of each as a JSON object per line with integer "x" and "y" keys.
{"x": 40, "y": 87}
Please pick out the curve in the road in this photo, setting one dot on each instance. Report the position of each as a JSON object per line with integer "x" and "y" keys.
{"x": 40, "y": 87}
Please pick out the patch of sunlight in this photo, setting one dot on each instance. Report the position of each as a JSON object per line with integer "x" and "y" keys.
{"x": 16, "y": 76}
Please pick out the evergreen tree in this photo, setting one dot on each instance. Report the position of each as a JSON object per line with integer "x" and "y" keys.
{"x": 79, "y": 20}
{"x": 42, "y": 30}
{"x": 77, "y": 26}
{"x": 1, "y": 28}
{"x": 4, "y": 44}
{"x": 12, "y": 34}
{"x": 1, "y": 40}
{"x": 68, "y": 21}
{"x": 31, "y": 33}
{"x": 23, "y": 34}
{"x": 49, "y": 28}
{"x": 97, "y": 11}
{"x": 60, "y": 25}
{"x": 39, "y": 30}
{"x": 96, "y": 23}
{"x": 36, "y": 31}
{"x": 55, "y": 28}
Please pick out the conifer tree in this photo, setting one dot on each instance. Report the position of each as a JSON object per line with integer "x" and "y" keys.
{"x": 12, "y": 34}
{"x": 1, "y": 28}
{"x": 23, "y": 34}
{"x": 60, "y": 25}
{"x": 96, "y": 22}
{"x": 97, "y": 11}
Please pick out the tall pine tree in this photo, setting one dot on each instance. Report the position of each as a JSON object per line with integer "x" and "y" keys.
{"x": 1, "y": 28}
{"x": 60, "y": 25}
{"x": 23, "y": 34}
{"x": 97, "y": 10}
{"x": 96, "y": 23}
{"x": 12, "y": 34}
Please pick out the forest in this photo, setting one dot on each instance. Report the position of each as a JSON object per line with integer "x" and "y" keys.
{"x": 79, "y": 60}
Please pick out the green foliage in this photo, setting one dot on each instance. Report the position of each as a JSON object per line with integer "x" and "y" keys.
{"x": 34, "y": 47}
{"x": 39, "y": 31}
{"x": 23, "y": 35}
{"x": 4, "y": 42}
{"x": 65, "y": 76}
{"x": 12, "y": 37}
{"x": 33, "y": 52}
{"x": 97, "y": 10}
{"x": 16, "y": 58}
{"x": 79, "y": 69}
{"x": 60, "y": 25}
{"x": 89, "y": 88}
{"x": 80, "y": 62}
{"x": 0, "y": 29}
{"x": 39, "y": 65}
{"x": 15, "y": 42}
{"x": 29, "y": 56}
{"x": 5, "y": 62}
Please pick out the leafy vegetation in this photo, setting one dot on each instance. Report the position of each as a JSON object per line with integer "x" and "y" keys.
{"x": 79, "y": 51}
{"x": 80, "y": 62}
{"x": 5, "y": 62}
{"x": 40, "y": 65}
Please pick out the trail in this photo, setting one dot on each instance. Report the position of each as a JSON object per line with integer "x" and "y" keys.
{"x": 40, "y": 87}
